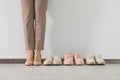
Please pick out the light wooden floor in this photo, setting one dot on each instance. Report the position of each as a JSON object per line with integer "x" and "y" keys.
{"x": 22, "y": 72}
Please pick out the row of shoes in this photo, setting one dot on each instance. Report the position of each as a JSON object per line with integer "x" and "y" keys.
{"x": 69, "y": 59}
{"x": 74, "y": 59}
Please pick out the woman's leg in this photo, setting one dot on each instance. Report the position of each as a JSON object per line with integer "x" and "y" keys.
{"x": 28, "y": 19}
{"x": 40, "y": 23}
{"x": 40, "y": 26}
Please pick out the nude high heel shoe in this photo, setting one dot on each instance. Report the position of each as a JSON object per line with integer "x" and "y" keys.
{"x": 29, "y": 59}
{"x": 37, "y": 58}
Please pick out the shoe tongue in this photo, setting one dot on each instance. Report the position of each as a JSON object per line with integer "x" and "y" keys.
{"x": 68, "y": 56}
{"x": 56, "y": 56}
{"x": 49, "y": 57}
{"x": 98, "y": 56}
{"x": 91, "y": 57}
{"x": 77, "y": 56}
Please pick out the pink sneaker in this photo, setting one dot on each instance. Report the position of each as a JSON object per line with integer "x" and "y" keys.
{"x": 78, "y": 59}
{"x": 68, "y": 58}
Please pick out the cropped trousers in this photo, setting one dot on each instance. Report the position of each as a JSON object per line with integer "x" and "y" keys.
{"x": 34, "y": 19}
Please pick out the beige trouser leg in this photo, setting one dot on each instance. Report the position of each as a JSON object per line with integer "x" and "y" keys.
{"x": 34, "y": 11}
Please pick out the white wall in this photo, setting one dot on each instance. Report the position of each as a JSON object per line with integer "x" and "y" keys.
{"x": 86, "y": 26}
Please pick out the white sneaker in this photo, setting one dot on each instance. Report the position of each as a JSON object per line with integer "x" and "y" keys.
{"x": 90, "y": 59}
{"x": 48, "y": 61}
{"x": 57, "y": 60}
{"x": 99, "y": 59}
